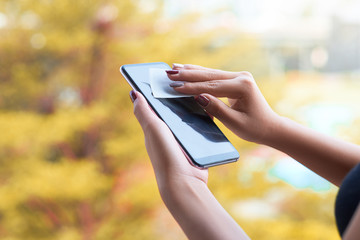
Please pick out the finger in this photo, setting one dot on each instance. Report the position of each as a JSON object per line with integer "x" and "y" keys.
{"x": 178, "y": 66}
{"x": 143, "y": 112}
{"x": 195, "y": 67}
{"x": 218, "y": 109}
{"x": 164, "y": 151}
{"x": 200, "y": 75}
{"x": 233, "y": 88}
{"x": 232, "y": 101}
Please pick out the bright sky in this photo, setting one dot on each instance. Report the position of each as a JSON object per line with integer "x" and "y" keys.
{"x": 264, "y": 15}
{"x": 257, "y": 15}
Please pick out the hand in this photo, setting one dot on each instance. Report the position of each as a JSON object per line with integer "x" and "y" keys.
{"x": 171, "y": 166}
{"x": 249, "y": 116}
{"x": 183, "y": 186}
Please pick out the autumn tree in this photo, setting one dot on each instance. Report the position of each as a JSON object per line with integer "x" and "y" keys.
{"x": 72, "y": 161}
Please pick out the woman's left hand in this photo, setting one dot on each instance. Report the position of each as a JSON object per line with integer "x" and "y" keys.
{"x": 171, "y": 167}
{"x": 182, "y": 186}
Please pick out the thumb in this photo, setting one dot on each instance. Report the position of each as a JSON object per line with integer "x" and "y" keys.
{"x": 143, "y": 112}
{"x": 216, "y": 108}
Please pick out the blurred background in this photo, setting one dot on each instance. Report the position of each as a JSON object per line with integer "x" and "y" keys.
{"x": 72, "y": 159}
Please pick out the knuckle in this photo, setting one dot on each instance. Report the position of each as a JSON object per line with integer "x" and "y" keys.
{"x": 246, "y": 74}
{"x": 238, "y": 82}
{"x": 211, "y": 75}
{"x": 212, "y": 85}
{"x": 247, "y": 83}
{"x": 246, "y": 79}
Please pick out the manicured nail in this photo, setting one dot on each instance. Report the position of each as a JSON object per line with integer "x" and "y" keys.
{"x": 133, "y": 95}
{"x": 177, "y": 65}
{"x": 172, "y": 71}
{"x": 176, "y": 84}
{"x": 202, "y": 100}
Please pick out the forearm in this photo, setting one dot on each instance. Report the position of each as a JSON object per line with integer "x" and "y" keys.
{"x": 198, "y": 213}
{"x": 329, "y": 157}
{"x": 353, "y": 231}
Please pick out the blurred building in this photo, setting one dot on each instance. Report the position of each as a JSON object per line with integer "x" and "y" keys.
{"x": 291, "y": 46}
{"x": 309, "y": 45}
{"x": 297, "y": 35}
{"x": 343, "y": 46}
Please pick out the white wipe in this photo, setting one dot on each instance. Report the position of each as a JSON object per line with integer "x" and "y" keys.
{"x": 159, "y": 83}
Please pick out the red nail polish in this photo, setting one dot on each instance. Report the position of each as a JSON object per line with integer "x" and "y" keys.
{"x": 133, "y": 95}
{"x": 202, "y": 100}
{"x": 172, "y": 71}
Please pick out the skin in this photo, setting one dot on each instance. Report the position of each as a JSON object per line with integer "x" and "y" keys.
{"x": 183, "y": 187}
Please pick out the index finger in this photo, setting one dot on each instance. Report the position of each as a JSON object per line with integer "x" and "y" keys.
{"x": 230, "y": 88}
{"x": 200, "y": 75}
{"x": 179, "y": 66}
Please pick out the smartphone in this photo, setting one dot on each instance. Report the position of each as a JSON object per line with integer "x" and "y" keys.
{"x": 202, "y": 141}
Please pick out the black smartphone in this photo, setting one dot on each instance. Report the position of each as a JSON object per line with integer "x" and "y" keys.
{"x": 198, "y": 135}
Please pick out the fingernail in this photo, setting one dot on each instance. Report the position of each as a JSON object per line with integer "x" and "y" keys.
{"x": 133, "y": 95}
{"x": 177, "y": 65}
{"x": 202, "y": 100}
{"x": 172, "y": 71}
{"x": 176, "y": 84}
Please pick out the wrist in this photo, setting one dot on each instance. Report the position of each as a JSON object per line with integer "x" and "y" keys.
{"x": 273, "y": 130}
{"x": 280, "y": 133}
{"x": 197, "y": 211}
{"x": 176, "y": 190}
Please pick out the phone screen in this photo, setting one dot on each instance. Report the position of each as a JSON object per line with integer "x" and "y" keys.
{"x": 198, "y": 135}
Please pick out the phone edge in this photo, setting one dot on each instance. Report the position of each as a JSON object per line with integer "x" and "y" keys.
{"x": 191, "y": 160}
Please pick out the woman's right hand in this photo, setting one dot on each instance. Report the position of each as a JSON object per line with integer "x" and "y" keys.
{"x": 249, "y": 116}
